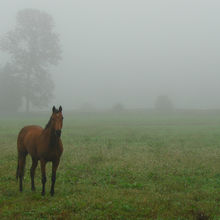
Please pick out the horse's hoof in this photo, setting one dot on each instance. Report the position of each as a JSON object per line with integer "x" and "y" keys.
{"x": 33, "y": 189}
{"x": 52, "y": 193}
{"x": 43, "y": 193}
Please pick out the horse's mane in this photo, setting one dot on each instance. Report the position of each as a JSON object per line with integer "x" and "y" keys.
{"x": 50, "y": 120}
{"x": 48, "y": 123}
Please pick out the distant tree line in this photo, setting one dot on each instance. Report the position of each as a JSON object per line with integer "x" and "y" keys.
{"x": 33, "y": 47}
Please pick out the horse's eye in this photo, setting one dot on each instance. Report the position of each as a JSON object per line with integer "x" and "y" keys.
{"x": 62, "y": 118}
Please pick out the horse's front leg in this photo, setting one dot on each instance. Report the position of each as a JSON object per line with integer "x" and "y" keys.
{"x": 43, "y": 173}
{"x": 32, "y": 172}
{"x": 53, "y": 178}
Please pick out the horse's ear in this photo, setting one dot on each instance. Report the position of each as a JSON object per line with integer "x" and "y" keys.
{"x": 53, "y": 109}
{"x": 60, "y": 109}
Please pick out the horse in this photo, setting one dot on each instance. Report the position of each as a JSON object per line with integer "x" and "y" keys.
{"x": 43, "y": 145}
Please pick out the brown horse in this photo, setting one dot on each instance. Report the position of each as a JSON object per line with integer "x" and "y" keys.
{"x": 42, "y": 144}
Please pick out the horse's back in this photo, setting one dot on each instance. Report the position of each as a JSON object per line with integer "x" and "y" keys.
{"x": 27, "y": 138}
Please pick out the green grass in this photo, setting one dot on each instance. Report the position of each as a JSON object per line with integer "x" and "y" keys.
{"x": 120, "y": 166}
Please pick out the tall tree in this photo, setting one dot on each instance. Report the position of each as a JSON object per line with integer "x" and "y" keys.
{"x": 34, "y": 47}
{"x": 10, "y": 90}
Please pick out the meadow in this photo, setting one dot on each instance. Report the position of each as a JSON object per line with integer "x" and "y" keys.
{"x": 128, "y": 165}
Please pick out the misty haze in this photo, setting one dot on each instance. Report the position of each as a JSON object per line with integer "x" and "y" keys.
{"x": 131, "y": 52}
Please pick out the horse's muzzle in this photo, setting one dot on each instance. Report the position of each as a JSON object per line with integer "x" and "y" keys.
{"x": 58, "y": 133}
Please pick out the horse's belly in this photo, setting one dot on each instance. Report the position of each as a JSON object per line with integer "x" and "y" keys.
{"x": 30, "y": 139}
{"x": 49, "y": 155}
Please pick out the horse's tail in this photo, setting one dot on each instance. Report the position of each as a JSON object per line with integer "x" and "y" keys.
{"x": 21, "y": 165}
{"x": 21, "y": 155}
{"x": 17, "y": 170}
{"x": 18, "y": 143}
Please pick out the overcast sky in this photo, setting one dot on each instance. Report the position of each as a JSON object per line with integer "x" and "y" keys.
{"x": 132, "y": 51}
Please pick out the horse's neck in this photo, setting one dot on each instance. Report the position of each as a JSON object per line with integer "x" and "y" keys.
{"x": 52, "y": 139}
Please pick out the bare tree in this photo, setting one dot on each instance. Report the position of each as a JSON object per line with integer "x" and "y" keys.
{"x": 118, "y": 107}
{"x": 10, "y": 90}
{"x": 34, "y": 47}
{"x": 163, "y": 103}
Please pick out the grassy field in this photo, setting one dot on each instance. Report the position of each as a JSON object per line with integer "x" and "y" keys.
{"x": 120, "y": 166}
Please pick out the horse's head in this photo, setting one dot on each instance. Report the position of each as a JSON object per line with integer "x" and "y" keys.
{"x": 57, "y": 120}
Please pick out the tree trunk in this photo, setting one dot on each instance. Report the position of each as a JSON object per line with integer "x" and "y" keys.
{"x": 27, "y": 104}
{"x": 27, "y": 95}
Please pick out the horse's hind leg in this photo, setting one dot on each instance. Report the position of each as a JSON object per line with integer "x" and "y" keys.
{"x": 32, "y": 172}
{"x": 43, "y": 173}
{"x": 21, "y": 166}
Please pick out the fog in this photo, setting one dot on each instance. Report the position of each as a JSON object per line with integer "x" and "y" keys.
{"x": 131, "y": 51}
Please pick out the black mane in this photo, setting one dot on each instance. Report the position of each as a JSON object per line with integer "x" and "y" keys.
{"x": 49, "y": 122}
